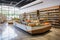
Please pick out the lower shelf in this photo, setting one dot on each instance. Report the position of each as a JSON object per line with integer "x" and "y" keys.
{"x": 40, "y": 30}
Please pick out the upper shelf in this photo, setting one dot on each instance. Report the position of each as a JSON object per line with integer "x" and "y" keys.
{"x": 51, "y": 8}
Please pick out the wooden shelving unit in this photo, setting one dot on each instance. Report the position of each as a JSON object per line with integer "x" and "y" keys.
{"x": 30, "y": 16}
{"x": 51, "y": 14}
{"x": 33, "y": 16}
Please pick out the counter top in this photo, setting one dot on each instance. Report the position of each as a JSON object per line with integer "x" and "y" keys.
{"x": 35, "y": 27}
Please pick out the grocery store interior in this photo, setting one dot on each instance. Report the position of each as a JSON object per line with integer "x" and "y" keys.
{"x": 29, "y": 19}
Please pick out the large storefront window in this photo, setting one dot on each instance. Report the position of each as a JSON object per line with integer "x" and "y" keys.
{"x": 10, "y": 12}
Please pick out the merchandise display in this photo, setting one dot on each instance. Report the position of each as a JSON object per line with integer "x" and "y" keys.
{"x": 13, "y": 19}
{"x": 39, "y": 21}
{"x": 51, "y": 14}
{"x": 32, "y": 28}
{"x": 16, "y": 19}
{"x": 30, "y": 22}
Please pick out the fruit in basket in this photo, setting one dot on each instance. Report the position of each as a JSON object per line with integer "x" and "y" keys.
{"x": 37, "y": 23}
{"x": 31, "y": 24}
{"x": 46, "y": 23}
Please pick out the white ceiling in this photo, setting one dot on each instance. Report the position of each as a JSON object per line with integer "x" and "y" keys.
{"x": 35, "y": 2}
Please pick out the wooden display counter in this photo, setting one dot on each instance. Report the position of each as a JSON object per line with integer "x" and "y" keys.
{"x": 33, "y": 30}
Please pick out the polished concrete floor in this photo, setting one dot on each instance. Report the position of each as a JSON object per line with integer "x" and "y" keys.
{"x": 9, "y": 32}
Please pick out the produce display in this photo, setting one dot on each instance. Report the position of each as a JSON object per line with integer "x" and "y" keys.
{"x": 32, "y": 24}
{"x": 16, "y": 19}
{"x": 39, "y": 21}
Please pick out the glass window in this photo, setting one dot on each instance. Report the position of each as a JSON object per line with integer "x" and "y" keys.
{"x": 5, "y": 11}
{"x": 4, "y": 8}
{"x": 9, "y": 11}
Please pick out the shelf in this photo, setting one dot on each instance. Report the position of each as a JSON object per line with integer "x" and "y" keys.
{"x": 47, "y": 14}
{"x": 51, "y": 14}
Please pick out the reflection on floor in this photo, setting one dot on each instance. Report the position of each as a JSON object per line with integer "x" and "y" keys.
{"x": 10, "y": 32}
{"x": 7, "y": 33}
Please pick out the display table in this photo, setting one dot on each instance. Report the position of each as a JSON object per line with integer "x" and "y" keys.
{"x": 33, "y": 30}
{"x": 10, "y": 21}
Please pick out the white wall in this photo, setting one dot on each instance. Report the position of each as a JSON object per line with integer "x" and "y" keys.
{"x": 45, "y": 4}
